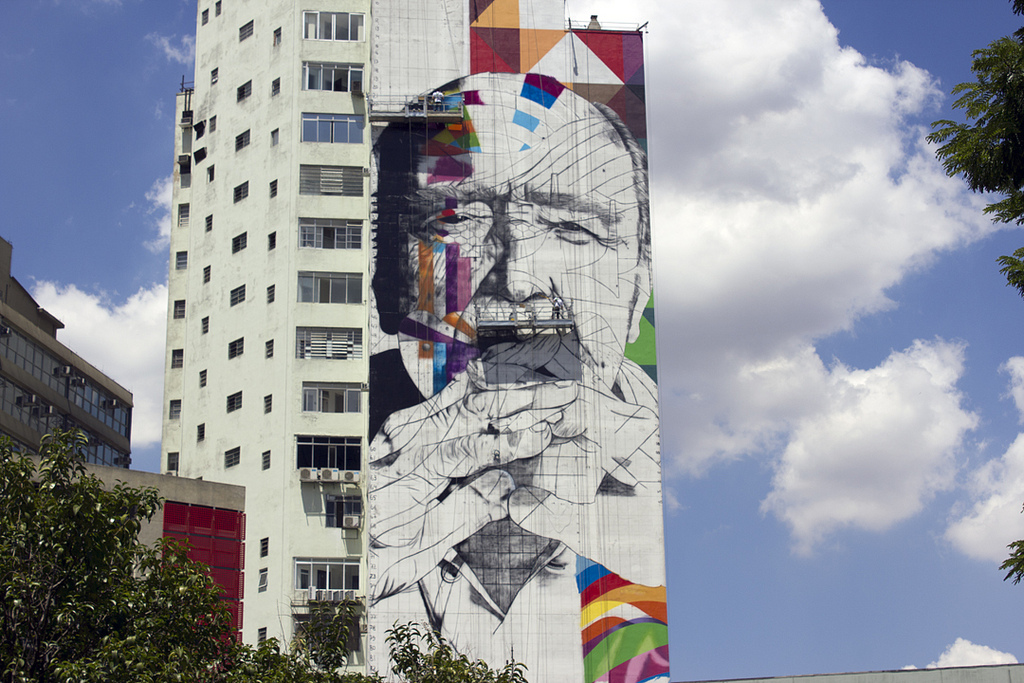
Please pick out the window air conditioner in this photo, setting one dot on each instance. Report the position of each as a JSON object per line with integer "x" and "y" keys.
{"x": 351, "y": 521}
{"x": 186, "y": 119}
{"x": 311, "y": 593}
{"x": 110, "y": 403}
{"x": 350, "y": 476}
{"x": 5, "y": 331}
{"x": 64, "y": 370}
{"x": 27, "y": 400}
{"x": 329, "y": 474}
{"x": 309, "y": 474}
{"x": 348, "y": 595}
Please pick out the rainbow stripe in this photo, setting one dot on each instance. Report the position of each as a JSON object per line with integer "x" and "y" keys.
{"x": 624, "y": 627}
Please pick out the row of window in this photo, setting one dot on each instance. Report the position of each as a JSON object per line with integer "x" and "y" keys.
{"x": 317, "y": 397}
{"x": 331, "y": 343}
{"x": 338, "y": 452}
{"x": 314, "y": 233}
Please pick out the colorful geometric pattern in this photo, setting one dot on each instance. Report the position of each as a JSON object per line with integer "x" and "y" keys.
{"x": 602, "y": 66}
{"x": 624, "y": 627}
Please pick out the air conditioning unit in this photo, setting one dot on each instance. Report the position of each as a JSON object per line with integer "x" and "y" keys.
{"x": 351, "y": 521}
{"x": 64, "y": 371}
{"x": 110, "y": 403}
{"x": 365, "y": 386}
{"x": 357, "y": 88}
{"x": 186, "y": 119}
{"x": 309, "y": 474}
{"x": 348, "y": 595}
{"x": 5, "y": 331}
{"x": 27, "y": 400}
{"x": 311, "y": 593}
{"x": 350, "y": 476}
{"x": 363, "y": 626}
{"x": 77, "y": 381}
{"x": 44, "y": 411}
{"x": 330, "y": 474}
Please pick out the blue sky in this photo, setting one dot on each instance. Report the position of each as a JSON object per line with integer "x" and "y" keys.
{"x": 842, "y": 371}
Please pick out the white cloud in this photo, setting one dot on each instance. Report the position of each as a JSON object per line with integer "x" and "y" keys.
{"x": 124, "y": 339}
{"x": 159, "y": 198}
{"x": 965, "y": 653}
{"x": 792, "y": 188}
{"x": 875, "y": 446}
{"x": 183, "y": 53}
{"x": 1014, "y": 367}
{"x": 995, "y": 519}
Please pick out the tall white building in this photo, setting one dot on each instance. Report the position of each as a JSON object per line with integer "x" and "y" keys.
{"x": 410, "y": 311}
{"x": 266, "y": 368}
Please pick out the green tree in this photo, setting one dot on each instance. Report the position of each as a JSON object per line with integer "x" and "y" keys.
{"x": 988, "y": 150}
{"x": 85, "y": 601}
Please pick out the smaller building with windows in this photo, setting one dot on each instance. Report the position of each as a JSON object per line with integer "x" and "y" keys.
{"x": 44, "y": 385}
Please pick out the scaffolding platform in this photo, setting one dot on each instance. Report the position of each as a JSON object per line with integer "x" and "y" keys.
{"x": 522, "y": 318}
{"x": 422, "y": 108}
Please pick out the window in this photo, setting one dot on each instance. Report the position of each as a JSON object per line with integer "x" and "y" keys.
{"x": 326, "y": 233}
{"x": 202, "y": 378}
{"x": 206, "y": 274}
{"x": 272, "y": 241}
{"x": 332, "y": 26}
{"x": 181, "y": 260}
{"x": 213, "y": 123}
{"x": 336, "y": 343}
{"x": 209, "y": 223}
{"x": 214, "y": 74}
{"x": 179, "y": 309}
{"x": 206, "y": 17}
{"x": 268, "y": 403}
{"x": 209, "y": 173}
{"x": 234, "y": 402}
{"x": 318, "y": 397}
{"x": 206, "y": 324}
{"x": 201, "y": 432}
{"x": 331, "y": 288}
{"x": 266, "y": 460}
{"x": 275, "y": 137}
{"x": 245, "y": 32}
{"x": 340, "y": 452}
{"x": 332, "y": 77}
{"x": 232, "y": 457}
{"x": 241, "y": 140}
{"x": 261, "y": 634}
{"x": 174, "y": 411}
{"x": 237, "y": 295}
{"x": 339, "y": 507}
{"x": 172, "y": 462}
{"x": 241, "y": 191}
{"x": 275, "y": 87}
{"x": 326, "y": 574}
{"x": 277, "y": 36}
{"x": 236, "y": 348}
{"x": 243, "y": 91}
{"x": 269, "y": 348}
{"x": 346, "y": 181}
{"x": 273, "y": 189}
{"x": 239, "y": 242}
{"x": 217, "y": 8}
{"x": 263, "y": 580}
{"x": 343, "y": 128}
{"x": 183, "y": 211}
{"x": 264, "y": 546}
{"x": 177, "y": 358}
{"x": 271, "y": 289}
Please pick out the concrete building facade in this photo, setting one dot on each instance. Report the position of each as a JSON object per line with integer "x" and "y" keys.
{"x": 410, "y": 311}
{"x": 44, "y": 385}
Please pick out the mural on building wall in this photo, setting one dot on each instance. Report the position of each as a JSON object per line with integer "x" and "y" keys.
{"x": 515, "y": 483}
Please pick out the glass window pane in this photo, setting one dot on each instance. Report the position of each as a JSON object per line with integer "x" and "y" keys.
{"x": 353, "y": 400}
{"x": 310, "y": 32}
{"x": 313, "y": 72}
{"x": 341, "y": 79}
{"x": 356, "y": 32}
{"x": 341, "y": 26}
{"x": 309, "y": 400}
{"x": 337, "y": 290}
{"x": 357, "y": 79}
{"x": 305, "y": 288}
{"x": 355, "y": 130}
{"x": 323, "y": 131}
{"x": 325, "y": 25}
{"x": 309, "y": 132}
{"x": 355, "y": 289}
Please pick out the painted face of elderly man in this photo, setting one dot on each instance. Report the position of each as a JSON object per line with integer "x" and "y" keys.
{"x": 500, "y": 462}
